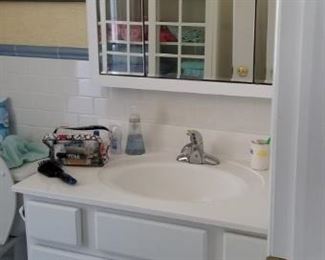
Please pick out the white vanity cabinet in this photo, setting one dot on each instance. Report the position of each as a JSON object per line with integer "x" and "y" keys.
{"x": 72, "y": 231}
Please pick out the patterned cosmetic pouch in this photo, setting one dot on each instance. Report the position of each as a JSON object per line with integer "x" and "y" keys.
{"x": 80, "y": 146}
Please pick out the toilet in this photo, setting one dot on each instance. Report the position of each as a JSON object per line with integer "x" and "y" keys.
{"x": 12, "y": 228}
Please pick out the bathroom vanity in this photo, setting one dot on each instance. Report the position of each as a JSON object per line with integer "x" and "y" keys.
{"x": 148, "y": 207}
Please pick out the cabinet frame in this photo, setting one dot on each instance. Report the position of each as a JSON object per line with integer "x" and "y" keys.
{"x": 171, "y": 85}
{"x": 209, "y": 236}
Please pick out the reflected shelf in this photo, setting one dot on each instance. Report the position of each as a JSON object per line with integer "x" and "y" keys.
{"x": 168, "y": 55}
{"x": 182, "y": 24}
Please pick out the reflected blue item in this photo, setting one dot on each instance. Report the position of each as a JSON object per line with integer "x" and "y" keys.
{"x": 193, "y": 69}
{"x": 4, "y": 118}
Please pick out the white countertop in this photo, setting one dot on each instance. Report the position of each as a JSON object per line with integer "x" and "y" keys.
{"x": 247, "y": 213}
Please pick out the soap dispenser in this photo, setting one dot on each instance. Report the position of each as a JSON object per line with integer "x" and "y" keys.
{"x": 135, "y": 144}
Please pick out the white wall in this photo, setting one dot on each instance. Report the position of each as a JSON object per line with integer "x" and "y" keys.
{"x": 297, "y": 228}
{"x": 47, "y": 93}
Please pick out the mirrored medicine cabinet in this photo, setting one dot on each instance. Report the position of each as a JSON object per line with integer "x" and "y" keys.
{"x": 185, "y": 41}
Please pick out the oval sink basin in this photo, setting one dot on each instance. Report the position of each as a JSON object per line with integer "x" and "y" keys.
{"x": 178, "y": 181}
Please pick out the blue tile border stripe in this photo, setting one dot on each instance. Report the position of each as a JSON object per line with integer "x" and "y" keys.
{"x": 44, "y": 52}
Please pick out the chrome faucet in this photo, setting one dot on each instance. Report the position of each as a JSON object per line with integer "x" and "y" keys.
{"x": 194, "y": 152}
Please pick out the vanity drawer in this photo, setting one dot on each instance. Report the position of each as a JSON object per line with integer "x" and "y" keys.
{"x": 44, "y": 253}
{"x": 240, "y": 247}
{"x": 53, "y": 223}
{"x": 146, "y": 239}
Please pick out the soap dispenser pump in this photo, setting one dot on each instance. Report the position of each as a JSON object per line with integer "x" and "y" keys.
{"x": 135, "y": 143}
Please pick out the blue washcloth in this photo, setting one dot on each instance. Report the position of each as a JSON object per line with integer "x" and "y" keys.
{"x": 16, "y": 151}
{"x": 4, "y": 118}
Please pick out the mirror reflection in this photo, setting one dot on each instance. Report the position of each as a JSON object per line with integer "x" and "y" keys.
{"x": 221, "y": 40}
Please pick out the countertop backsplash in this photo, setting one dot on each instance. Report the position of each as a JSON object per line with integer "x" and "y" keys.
{"x": 46, "y": 93}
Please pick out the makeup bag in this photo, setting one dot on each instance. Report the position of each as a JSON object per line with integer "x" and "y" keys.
{"x": 80, "y": 146}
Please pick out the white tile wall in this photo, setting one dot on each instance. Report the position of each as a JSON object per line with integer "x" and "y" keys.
{"x": 87, "y": 89}
{"x": 82, "y": 105}
{"x": 46, "y": 93}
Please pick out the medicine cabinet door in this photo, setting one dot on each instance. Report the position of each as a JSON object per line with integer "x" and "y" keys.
{"x": 202, "y": 40}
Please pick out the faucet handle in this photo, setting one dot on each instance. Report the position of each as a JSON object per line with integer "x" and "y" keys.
{"x": 195, "y": 137}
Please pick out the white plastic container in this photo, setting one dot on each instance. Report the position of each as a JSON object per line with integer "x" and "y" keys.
{"x": 116, "y": 139}
{"x": 260, "y": 155}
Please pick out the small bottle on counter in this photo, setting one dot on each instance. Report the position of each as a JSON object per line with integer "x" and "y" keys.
{"x": 260, "y": 155}
{"x": 116, "y": 139}
{"x": 135, "y": 143}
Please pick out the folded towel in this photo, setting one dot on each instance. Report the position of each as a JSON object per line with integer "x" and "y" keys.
{"x": 16, "y": 151}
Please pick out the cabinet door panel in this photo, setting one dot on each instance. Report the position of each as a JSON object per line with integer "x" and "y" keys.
{"x": 243, "y": 40}
{"x": 148, "y": 239}
{"x": 239, "y": 247}
{"x": 53, "y": 223}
